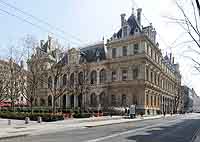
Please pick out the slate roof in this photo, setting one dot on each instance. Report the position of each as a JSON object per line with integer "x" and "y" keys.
{"x": 133, "y": 24}
{"x": 92, "y": 53}
{"x": 44, "y": 47}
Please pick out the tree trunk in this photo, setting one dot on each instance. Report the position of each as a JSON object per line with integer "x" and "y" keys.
{"x": 54, "y": 105}
{"x": 31, "y": 103}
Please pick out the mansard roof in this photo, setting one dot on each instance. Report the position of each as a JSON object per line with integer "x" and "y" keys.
{"x": 93, "y": 53}
{"x": 133, "y": 24}
{"x": 44, "y": 47}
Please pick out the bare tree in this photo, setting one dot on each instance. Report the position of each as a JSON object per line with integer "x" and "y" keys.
{"x": 80, "y": 86}
{"x": 190, "y": 24}
{"x": 3, "y": 87}
{"x": 56, "y": 88}
{"x": 32, "y": 79}
{"x": 14, "y": 81}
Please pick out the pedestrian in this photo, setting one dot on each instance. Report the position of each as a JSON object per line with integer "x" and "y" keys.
{"x": 125, "y": 111}
{"x": 128, "y": 112}
{"x": 164, "y": 113}
{"x": 110, "y": 114}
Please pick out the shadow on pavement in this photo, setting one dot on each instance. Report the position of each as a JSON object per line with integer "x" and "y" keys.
{"x": 179, "y": 132}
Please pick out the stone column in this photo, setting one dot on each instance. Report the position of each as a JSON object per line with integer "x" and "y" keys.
{"x": 75, "y": 100}
{"x": 98, "y": 78}
{"x": 68, "y": 104}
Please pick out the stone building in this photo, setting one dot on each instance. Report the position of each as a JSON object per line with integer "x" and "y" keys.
{"x": 128, "y": 69}
{"x": 191, "y": 101}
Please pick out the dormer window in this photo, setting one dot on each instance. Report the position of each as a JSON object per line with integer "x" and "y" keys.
{"x": 136, "y": 48}
{"x": 98, "y": 56}
{"x": 136, "y": 30}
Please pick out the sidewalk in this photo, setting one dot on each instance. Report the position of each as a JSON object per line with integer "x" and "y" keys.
{"x": 19, "y": 129}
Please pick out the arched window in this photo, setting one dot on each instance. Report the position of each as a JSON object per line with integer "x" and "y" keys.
{"x": 72, "y": 79}
{"x": 114, "y": 76}
{"x": 135, "y": 73}
{"x": 93, "y": 99}
{"x": 64, "y": 79}
{"x": 50, "y": 82}
{"x": 36, "y": 102}
{"x": 102, "y": 76}
{"x": 80, "y": 78}
{"x": 147, "y": 100}
{"x": 93, "y": 77}
{"x": 123, "y": 100}
{"x": 155, "y": 100}
{"x": 134, "y": 99}
{"x": 49, "y": 100}
{"x": 42, "y": 102}
{"x": 158, "y": 100}
{"x": 151, "y": 100}
{"x": 102, "y": 98}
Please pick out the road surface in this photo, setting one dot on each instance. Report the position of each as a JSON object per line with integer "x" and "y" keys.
{"x": 181, "y": 128}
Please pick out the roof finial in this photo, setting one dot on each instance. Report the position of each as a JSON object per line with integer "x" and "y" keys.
{"x": 133, "y": 12}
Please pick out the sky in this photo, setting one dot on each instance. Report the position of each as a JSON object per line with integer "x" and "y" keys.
{"x": 88, "y": 21}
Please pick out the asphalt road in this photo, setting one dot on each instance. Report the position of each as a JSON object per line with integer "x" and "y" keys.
{"x": 180, "y": 128}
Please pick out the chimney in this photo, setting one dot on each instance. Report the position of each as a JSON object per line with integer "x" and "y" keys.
{"x": 41, "y": 43}
{"x": 123, "y": 19}
{"x": 139, "y": 12}
{"x": 170, "y": 57}
{"x": 49, "y": 42}
{"x": 21, "y": 64}
{"x": 173, "y": 60}
{"x": 133, "y": 12}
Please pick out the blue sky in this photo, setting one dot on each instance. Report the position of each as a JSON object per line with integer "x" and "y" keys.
{"x": 90, "y": 21}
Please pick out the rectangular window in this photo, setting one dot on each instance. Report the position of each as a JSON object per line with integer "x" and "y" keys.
{"x": 124, "y": 51}
{"x": 114, "y": 52}
{"x": 136, "y": 48}
{"x": 114, "y": 76}
{"x": 124, "y": 74}
{"x": 155, "y": 100}
{"x": 147, "y": 50}
{"x": 147, "y": 74}
{"x": 151, "y": 76}
{"x": 151, "y": 53}
{"x": 147, "y": 99}
{"x": 135, "y": 73}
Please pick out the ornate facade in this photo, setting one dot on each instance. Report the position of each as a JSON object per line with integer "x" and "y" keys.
{"x": 128, "y": 69}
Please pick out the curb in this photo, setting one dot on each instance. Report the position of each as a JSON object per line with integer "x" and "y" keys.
{"x": 14, "y": 136}
{"x": 131, "y": 120}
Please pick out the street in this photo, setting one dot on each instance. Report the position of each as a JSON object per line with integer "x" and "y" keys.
{"x": 179, "y": 128}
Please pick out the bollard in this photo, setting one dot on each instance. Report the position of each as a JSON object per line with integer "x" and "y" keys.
{"x": 27, "y": 119}
{"x": 9, "y": 122}
{"x": 39, "y": 120}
